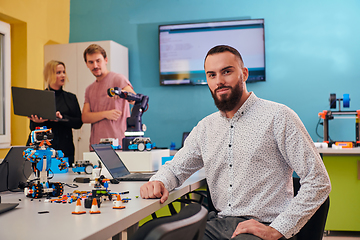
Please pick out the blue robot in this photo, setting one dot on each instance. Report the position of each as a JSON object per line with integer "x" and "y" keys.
{"x": 40, "y": 154}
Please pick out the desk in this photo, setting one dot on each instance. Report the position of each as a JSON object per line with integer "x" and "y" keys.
{"x": 26, "y": 223}
{"x": 343, "y": 168}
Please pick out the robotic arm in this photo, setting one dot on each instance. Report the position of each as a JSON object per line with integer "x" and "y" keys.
{"x": 134, "y": 133}
{"x": 134, "y": 122}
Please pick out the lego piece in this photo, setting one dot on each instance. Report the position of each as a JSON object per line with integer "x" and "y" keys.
{"x": 78, "y": 208}
{"x": 118, "y": 203}
{"x": 94, "y": 207}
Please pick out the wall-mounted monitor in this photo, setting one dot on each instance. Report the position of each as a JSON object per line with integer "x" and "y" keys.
{"x": 183, "y": 47}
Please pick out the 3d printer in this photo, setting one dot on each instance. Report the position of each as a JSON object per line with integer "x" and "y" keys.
{"x": 327, "y": 115}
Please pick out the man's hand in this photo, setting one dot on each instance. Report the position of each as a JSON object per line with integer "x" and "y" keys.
{"x": 154, "y": 189}
{"x": 258, "y": 229}
{"x": 113, "y": 114}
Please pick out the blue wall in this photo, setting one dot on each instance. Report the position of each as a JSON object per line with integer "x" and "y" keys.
{"x": 312, "y": 50}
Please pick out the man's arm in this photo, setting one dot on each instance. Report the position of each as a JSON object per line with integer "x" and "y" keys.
{"x": 154, "y": 189}
{"x": 175, "y": 172}
{"x": 128, "y": 88}
{"x": 92, "y": 117}
{"x": 298, "y": 150}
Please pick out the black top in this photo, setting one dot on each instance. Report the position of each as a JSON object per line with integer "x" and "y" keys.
{"x": 68, "y": 105}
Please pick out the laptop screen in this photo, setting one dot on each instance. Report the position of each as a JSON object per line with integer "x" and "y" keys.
{"x": 111, "y": 160}
{"x": 19, "y": 167}
{"x": 14, "y": 169}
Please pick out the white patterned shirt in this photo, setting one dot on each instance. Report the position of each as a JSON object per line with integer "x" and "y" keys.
{"x": 249, "y": 160}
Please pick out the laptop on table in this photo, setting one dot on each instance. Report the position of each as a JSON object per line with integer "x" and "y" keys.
{"x": 116, "y": 166}
{"x": 14, "y": 169}
{"x": 4, "y": 207}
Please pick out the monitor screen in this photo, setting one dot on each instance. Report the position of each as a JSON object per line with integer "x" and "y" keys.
{"x": 183, "y": 47}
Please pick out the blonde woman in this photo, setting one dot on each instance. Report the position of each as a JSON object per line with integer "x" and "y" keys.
{"x": 67, "y": 107}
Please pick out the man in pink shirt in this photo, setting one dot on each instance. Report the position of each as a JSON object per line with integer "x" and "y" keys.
{"x": 107, "y": 115}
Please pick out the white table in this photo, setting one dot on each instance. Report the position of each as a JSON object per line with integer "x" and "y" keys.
{"x": 25, "y": 222}
{"x": 340, "y": 151}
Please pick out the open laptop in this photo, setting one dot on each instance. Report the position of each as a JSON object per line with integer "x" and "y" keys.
{"x": 116, "y": 166}
{"x": 3, "y": 176}
{"x": 27, "y": 102}
{"x": 14, "y": 169}
{"x": 4, "y": 207}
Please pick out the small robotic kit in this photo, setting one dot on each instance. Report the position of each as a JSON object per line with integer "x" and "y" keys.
{"x": 94, "y": 198}
{"x": 114, "y": 142}
{"x": 40, "y": 154}
{"x": 83, "y": 166}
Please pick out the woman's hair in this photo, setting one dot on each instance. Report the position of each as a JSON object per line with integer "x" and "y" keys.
{"x": 50, "y": 72}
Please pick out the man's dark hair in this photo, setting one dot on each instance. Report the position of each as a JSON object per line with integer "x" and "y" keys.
{"x": 94, "y": 48}
{"x": 225, "y": 48}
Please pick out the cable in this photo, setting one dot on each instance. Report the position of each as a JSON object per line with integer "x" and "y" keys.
{"x": 72, "y": 185}
{"x": 316, "y": 130}
{"x": 52, "y": 174}
{"x": 147, "y": 107}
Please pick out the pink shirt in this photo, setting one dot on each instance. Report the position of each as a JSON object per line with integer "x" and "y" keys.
{"x": 97, "y": 97}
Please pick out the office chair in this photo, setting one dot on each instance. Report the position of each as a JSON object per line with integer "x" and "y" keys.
{"x": 312, "y": 230}
{"x": 189, "y": 224}
{"x": 184, "y": 136}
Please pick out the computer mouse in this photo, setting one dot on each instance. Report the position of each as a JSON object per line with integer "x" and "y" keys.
{"x": 114, "y": 181}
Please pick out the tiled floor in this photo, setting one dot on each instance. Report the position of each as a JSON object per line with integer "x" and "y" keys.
{"x": 342, "y": 236}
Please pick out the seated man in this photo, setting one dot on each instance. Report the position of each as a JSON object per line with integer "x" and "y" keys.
{"x": 249, "y": 150}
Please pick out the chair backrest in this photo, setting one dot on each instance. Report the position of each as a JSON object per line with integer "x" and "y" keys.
{"x": 189, "y": 223}
{"x": 314, "y": 228}
{"x": 184, "y": 136}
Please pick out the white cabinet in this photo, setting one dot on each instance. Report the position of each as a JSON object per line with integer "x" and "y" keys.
{"x": 80, "y": 76}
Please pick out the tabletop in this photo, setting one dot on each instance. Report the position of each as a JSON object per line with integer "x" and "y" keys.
{"x": 37, "y": 219}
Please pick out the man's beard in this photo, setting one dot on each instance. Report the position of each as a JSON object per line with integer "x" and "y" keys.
{"x": 228, "y": 102}
{"x": 97, "y": 75}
